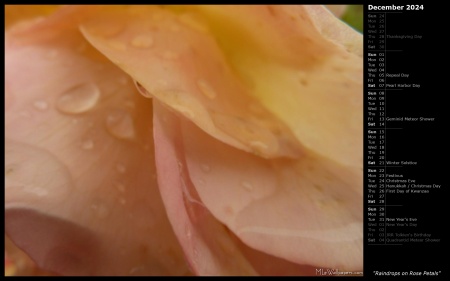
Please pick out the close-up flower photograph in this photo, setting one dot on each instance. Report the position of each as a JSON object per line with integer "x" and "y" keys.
{"x": 183, "y": 140}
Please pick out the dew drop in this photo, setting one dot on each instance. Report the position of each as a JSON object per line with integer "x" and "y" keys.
{"x": 206, "y": 89}
{"x": 142, "y": 90}
{"x": 40, "y": 105}
{"x": 142, "y": 41}
{"x": 78, "y": 99}
{"x": 119, "y": 123}
{"x": 122, "y": 201}
{"x": 121, "y": 168}
{"x": 205, "y": 168}
{"x": 87, "y": 145}
{"x": 74, "y": 121}
{"x": 188, "y": 105}
{"x": 101, "y": 211}
{"x": 247, "y": 185}
{"x": 259, "y": 138}
{"x": 188, "y": 232}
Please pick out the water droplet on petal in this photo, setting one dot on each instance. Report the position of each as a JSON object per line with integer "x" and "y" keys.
{"x": 188, "y": 232}
{"x": 122, "y": 201}
{"x": 121, "y": 168}
{"x": 248, "y": 186}
{"x": 120, "y": 124}
{"x": 40, "y": 105}
{"x": 188, "y": 105}
{"x": 205, "y": 168}
{"x": 142, "y": 41}
{"x": 142, "y": 90}
{"x": 259, "y": 138}
{"x": 78, "y": 99}
{"x": 87, "y": 145}
{"x": 206, "y": 89}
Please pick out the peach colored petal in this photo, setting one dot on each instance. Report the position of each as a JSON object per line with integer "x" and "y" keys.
{"x": 184, "y": 67}
{"x": 209, "y": 246}
{"x": 81, "y": 196}
{"x": 308, "y": 211}
{"x": 308, "y": 78}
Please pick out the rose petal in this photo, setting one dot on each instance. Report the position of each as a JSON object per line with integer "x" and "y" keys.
{"x": 80, "y": 194}
{"x": 178, "y": 61}
{"x": 209, "y": 246}
{"x": 308, "y": 211}
{"x": 312, "y": 84}
{"x": 206, "y": 243}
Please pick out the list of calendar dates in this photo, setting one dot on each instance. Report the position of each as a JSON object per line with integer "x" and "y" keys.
{"x": 404, "y": 179}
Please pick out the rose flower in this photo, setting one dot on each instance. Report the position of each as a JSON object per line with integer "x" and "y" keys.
{"x": 181, "y": 140}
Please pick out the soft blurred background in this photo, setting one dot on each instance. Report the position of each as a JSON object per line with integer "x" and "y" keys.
{"x": 353, "y": 15}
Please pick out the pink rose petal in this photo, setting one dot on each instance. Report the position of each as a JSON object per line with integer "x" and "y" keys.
{"x": 81, "y": 196}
